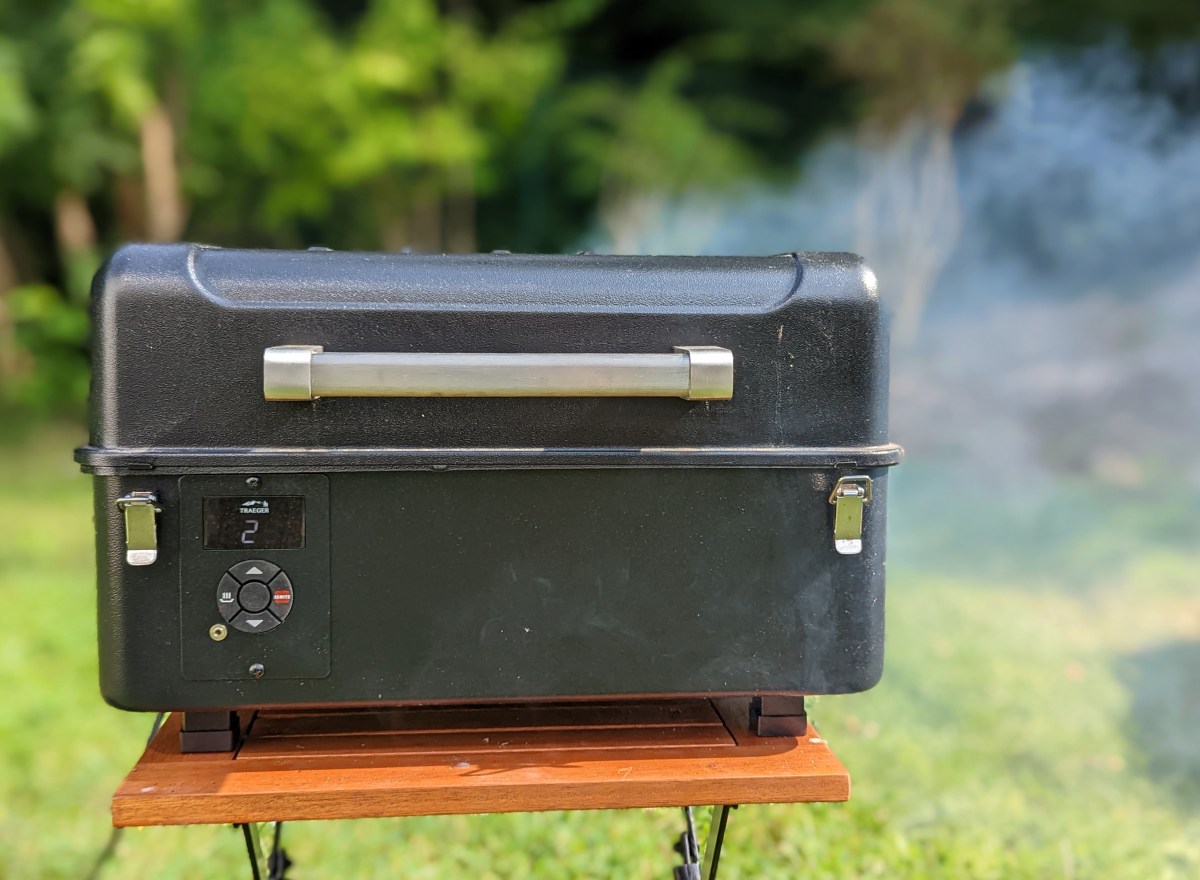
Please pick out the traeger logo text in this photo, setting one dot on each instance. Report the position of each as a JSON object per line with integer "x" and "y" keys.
{"x": 255, "y": 506}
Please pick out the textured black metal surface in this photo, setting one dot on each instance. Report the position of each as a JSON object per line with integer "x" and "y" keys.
{"x": 478, "y": 549}
{"x": 510, "y": 584}
{"x": 180, "y": 332}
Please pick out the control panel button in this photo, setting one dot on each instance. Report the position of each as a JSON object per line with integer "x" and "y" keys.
{"x": 254, "y": 623}
{"x": 254, "y": 597}
{"x": 254, "y": 570}
{"x": 227, "y": 597}
{"x": 281, "y": 595}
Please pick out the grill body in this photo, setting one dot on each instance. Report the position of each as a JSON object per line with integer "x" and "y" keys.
{"x": 418, "y": 538}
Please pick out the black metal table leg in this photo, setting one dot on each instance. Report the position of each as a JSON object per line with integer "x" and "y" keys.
{"x": 253, "y": 851}
{"x": 716, "y": 837}
{"x": 277, "y": 861}
{"x": 688, "y": 846}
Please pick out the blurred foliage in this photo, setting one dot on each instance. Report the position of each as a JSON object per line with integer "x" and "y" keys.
{"x": 452, "y": 125}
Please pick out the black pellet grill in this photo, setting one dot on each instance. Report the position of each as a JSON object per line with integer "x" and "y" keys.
{"x": 336, "y": 479}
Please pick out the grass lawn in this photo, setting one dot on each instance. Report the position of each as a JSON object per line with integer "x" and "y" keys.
{"x": 1039, "y": 719}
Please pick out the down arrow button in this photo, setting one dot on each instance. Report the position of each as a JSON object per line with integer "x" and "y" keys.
{"x": 254, "y": 623}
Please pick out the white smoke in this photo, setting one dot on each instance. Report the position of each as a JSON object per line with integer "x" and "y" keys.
{"x": 1059, "y": 328}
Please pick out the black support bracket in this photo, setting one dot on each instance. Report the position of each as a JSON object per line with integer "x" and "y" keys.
{"x": 209, "y": 732}
{"x": 778, "y": 716}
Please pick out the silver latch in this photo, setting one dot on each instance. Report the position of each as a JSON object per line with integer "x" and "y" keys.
{"x": 848, "y": 497}
{"x": 141, "y": 527}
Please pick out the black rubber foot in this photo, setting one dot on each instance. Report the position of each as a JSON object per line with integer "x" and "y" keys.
{"x": 209, "y": 732}
{"x": 778, "y": 716}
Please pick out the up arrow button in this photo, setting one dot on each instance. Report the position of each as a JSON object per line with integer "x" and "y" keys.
{"x": 254, "y": 570}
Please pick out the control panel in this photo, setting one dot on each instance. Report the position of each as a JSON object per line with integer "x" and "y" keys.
{"x": 254, "y": 596}
{"x": 254, "y": 587}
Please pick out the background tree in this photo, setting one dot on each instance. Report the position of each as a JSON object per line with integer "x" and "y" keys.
{"x": 465, "y": 124}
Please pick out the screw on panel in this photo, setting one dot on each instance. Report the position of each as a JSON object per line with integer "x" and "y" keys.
{"x": 217, "y": 632}
{"x": 257, "y": 670}
{"x": 253, "y": 482}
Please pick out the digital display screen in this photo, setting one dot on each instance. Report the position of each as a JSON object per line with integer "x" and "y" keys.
{"x": 254, "y": 522}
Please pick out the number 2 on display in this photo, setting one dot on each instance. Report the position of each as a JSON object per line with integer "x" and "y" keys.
{"x": 248, "y": 534}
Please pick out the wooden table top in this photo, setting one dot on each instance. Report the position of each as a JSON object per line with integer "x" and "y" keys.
{"x": 484, "y": 759}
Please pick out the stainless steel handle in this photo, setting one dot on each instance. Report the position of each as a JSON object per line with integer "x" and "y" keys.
{"x": 306, "y": 372}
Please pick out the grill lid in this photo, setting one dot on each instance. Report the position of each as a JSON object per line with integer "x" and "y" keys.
{"x": 213, "y": 357}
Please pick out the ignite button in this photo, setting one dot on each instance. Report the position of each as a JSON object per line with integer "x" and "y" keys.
{"x": 255, "y": 596}
{"x": 281, "y": 595}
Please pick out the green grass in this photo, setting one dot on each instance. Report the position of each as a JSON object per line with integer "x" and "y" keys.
{"x": 1029, "y": 726}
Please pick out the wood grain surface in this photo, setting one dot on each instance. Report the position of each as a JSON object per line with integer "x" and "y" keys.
{"x": 486, "y": 759}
